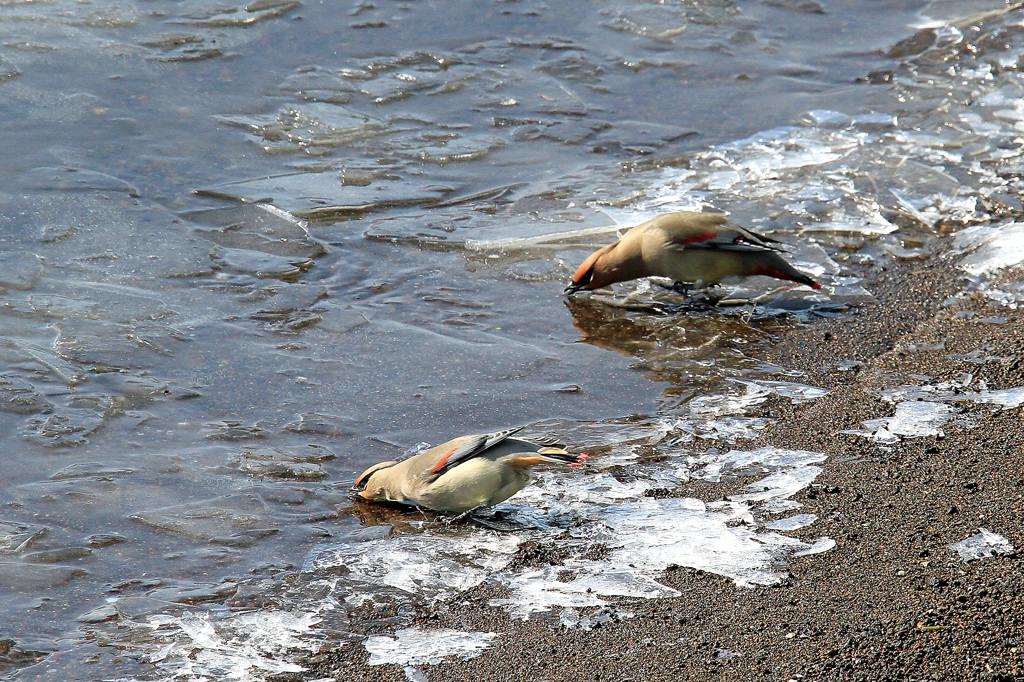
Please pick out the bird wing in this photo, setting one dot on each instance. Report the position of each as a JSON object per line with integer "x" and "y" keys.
{"x": 472, "y": 446}
{"x": 748, "y": 236}
{"x": 714, "y": 232}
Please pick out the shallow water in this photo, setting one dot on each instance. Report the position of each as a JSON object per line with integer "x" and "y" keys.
{"x": 190, "y": 381}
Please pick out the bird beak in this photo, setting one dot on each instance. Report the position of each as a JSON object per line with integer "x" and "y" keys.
{"x": 572, "y": 288}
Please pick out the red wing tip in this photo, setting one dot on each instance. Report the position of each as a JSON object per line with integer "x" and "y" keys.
{"x": 700, "y": 237}
{"x": 443, "y": 462}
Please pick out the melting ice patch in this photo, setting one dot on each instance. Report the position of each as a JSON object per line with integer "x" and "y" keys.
{"x": 724, "y": 417}
{"x": 990, "y": 248}
{"x": 430, "y": 565}
{"x": 195, "y": 646}
{"x": 787, "y": 389}
{"x": 913, "y": 419}
{"x": 419, "y": 646}
{"x": 645, "y": 535}
{"x": 789, "y": 471}
{"x": 982, "y": 545}
{"x": 1006, "y": 398}
{"x": 923, "y": 410}
{"x": 958, "y": 391}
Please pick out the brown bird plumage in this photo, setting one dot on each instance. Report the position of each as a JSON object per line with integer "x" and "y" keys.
{"x": 463, "y": 474}
{"x": 694, "y": 248}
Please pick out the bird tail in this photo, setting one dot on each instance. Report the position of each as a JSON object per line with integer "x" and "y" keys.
{"x": 548, "y": 456}
{"x": 797, "y": 276}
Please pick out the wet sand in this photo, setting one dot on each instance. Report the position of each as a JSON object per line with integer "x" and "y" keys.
{"x": 891, "y": 600}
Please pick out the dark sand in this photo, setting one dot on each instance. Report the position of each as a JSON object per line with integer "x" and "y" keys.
{"x": 890, "y": 601}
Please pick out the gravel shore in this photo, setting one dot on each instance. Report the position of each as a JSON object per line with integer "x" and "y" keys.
{"x": 891, "y": 601}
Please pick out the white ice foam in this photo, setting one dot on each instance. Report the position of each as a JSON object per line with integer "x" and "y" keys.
{"x": 645, "y": 535}
{"x": 982, "y": 545}
{"x": 420, "y": 646}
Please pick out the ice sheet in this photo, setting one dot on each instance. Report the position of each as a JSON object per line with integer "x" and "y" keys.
{"x": 913, "y": 419}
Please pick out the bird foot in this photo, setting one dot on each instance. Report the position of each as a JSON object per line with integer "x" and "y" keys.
{"x": 697, "y": 298}
{"x": 677, "y": 287}
{"x": 491, "y": 523}
{"x": 681, "y": 288}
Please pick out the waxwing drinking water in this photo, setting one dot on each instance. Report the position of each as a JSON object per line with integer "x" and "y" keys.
{"x": 464, "y": 474}
{"x": 699, "y": 249}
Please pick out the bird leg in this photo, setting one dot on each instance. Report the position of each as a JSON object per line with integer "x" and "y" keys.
{"x": 704, "y": 296}
{"x": 468, "y": 512}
